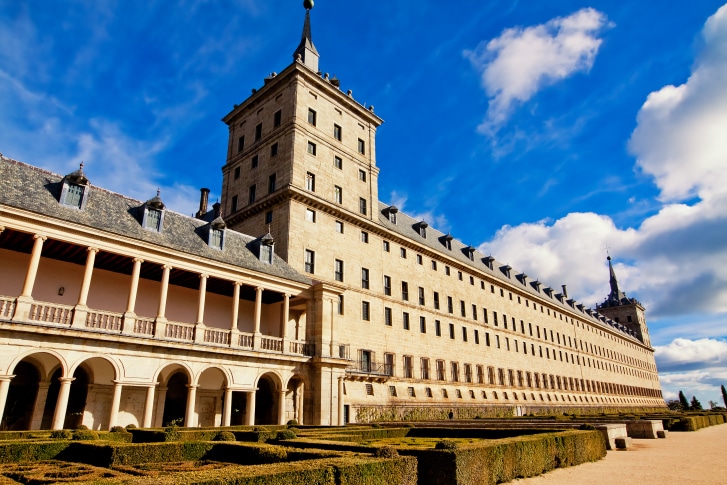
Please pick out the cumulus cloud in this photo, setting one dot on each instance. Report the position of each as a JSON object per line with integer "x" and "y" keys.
{"x": 522, "y": 61}
{"x": 684, "y": 354}
{"x": 674, "y": 259}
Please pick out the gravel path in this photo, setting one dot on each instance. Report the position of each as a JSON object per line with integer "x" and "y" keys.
{"x": 683, "y": 458}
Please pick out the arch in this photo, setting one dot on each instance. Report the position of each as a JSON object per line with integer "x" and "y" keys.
{"x": 273, "y": 376}
{"x": 211, "y": 385}
{"x": 208, "y": 378}
{"x": 101, "y": 368}
{"x": 295, "y": 398}
{"x": 47, "y": 360}
{"x": 175, "y": 398}
{"x": 267, "y": 397}
{"x": 165, "y": 371}
{"x": 22, "y": 393}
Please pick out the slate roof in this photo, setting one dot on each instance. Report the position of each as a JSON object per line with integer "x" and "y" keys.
{"x": 408, "y": 227}
{"x": 33, "y": 189}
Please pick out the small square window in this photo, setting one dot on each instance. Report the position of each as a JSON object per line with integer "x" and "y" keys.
{"x": 364, "y": 237}
{"x": 410, "y": 391}
{"x": 338, "y": 163}
{"x": 339, "y": 227}
{"x": 362, "y": 176}
{"x": 254, "y": 161}
{"x": 312, "y": 116}
{"x": 392, "y": 391}
{"x": 369, "y": 389}
{"x": 311, "y": 148}
{"x": 337, "y": 132}
{"x": 310, "y": 215}
{"x": 274, "y": 150}
{"x": 237, "y": 173}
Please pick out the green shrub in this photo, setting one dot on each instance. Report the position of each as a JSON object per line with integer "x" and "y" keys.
{"x": 60, "y": 434}
{"x": 130, "y": 426}
{"x": 586, "y": 426}
{"x": 82, "y": 427}
{"x": 376, "y": 426}
{"x": 292, "y": 422}
{"x": 84, "y": 435}
{"x": 386, "y": 452}
{"x": 225, "y": 436}
{"x": 118, "y": 429}
{"x": 27, "y": 451}
{"x": 171, "y": 433}
{"x": 445, "y": 445}
{"x": 286, "y": 434}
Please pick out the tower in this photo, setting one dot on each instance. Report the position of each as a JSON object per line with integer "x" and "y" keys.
{"x": 299, "y": 146}
{"x": 623, "y": 310}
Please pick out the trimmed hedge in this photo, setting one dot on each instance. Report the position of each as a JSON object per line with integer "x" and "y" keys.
{"x": 14, "y": 452}
{"x": 506, "y": 459}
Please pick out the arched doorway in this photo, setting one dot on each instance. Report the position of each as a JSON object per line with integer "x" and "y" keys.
{"x": 76, "y": 399}
{"x": 265, "y": 402}
{"x": 22, "y": 393}
{"x": 175, "y": 403}
{"x": 294, "y": 398}
{"x": 210, "y": 397}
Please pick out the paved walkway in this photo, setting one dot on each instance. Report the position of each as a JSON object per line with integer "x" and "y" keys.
{"x": 683, "y": 458}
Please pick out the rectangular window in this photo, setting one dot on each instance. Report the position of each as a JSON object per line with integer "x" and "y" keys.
{"x": 365, "y": 307}
{"x": 310, "y": 215}
{"x": 386, "y": 246}
{"x": 364, "y": 237}
{"x": 234, "y": 203}
{"x": 338, "y": 270}
{"x": 450, "y": 305}
{"x": 237, "y": 173}
{"x": 474, "y": 312}
{"x": 434, "y": 265}
{"x": 387, "y": 285}
{"x": 310, "y": 182}
{"x": 455, "y": 371}
{"x": 258, "y": 131}
{"x": 274, "y": 150}
{"x": 310, "y": 261}
{"x": 446, "y": 270}
{"x": 337, "y": 194}
{"x": 337, "y": 132}
{"x": 464, "y": 334}
{"x": 251, "y": 194}
{"x": 269, "y": 217}
{"x": 339, "y": 227}
{"x": 369, "y": 389}
{"x": 480, "y": 374}
{"x": 405, "y": 320}
{"x": 437, "y": 328}
{"x": 462, "y": 308}
{"x": 338, "y": 163}
{"x": 362, "y": 206}
{"x": 421, "y": 295}
{"x": 484, "y": 315}
{"x": 216, "y": 236}
{"x": 405, "y": 291}
{"x": 402, "y": 252}
{"x": 440, "y": 370}
{"x": 419, "y": 259}
{"x": 361, "y": 146}
{"x": 277, "y": 118}
{"x": 387, "y": 316}
{"x": 254, "y": 161}
{"x": 487, "y": 338}
{"x": 422, "y": 325}
{"x": 477, "y": 337}
{"x": 312, "y": 149}
{"x": 365, "y": 278}
{"x": 468, "y": 373}
{"x": 272, "y": 182}
{"x": 451, "y": 331}
{"x": 362, "y": 175}
{"x": 425, "y": 368}
{"x": 436, "y": 300}
{"x": 240, "y": 144}
{"x": 312, "y": 116}
{"x": 408, "y": 367}
{"x": 389, "y": 364}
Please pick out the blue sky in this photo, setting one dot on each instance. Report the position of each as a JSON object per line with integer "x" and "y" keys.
{"x": 543, "y": 132}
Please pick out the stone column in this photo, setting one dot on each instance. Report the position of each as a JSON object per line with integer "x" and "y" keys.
{"x": 59, "y": 417}
{"x": 258, "y": 312}
{"x": 81, "y": 310}
{"x": 159, "y": 416}
{"x": 129, "y": 315}
{"x": 341, "y": 421}
{"x": 281, "y": 406}
{"x": 234, "y": 331}
{"x": 39, "y": 406}
{"x": 189, "y": 417}
{"x": 285, "y": 317}
{"x": 250, "y": 407}
{"x": 149, "y": 407}
{"x": 161, "y": 319}
{"x": 115, "y": 403}
{"x": 199, "y": 330}
{"x": 4, "y": 388}
{"x": 227, "y": 416}
{"x": 301, "y": 400}
{"x": 24, "y": 301}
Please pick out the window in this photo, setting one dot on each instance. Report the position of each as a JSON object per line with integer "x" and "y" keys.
{"x": 402, "y": 252}
{"x": 464, "y": 334}
{"x": 365, "y": 278}
{"x": 437, "y": 328}
{"x": 269, "y": 217}
{"x": 369, "y": 389}
{"x": 392, "y": 216}
{"x": 272, "y": 181}
{"x": 387, "y": 285}
{"x": 462, "y": 309}
{"x": 234, "y": 203}
{"x": 237, "y": 173}
{"x": 266, "y": 253}
{"x": 312, "y": 116}
{"x": 450, "y": 305}
{"x": 240, "y": 144}
{"x": 362, "y": 175}
{"x": 389, "y": 364}
{"x": 73, "y": 196}
{"x": 310, "y": 182}
{"x": 451, "y": 331}
{"x": 251, "y": 194}
{"x": 365, "y": 306}
{"x": 153, "y": 217}
{"x": 405, "y": 291}
{"x": 410, "y": 392}
{"x": 425, "y": 368}
{"x": 422, "y": 325}
{"x": 216, "y": 238}
{"x": 436, "y": 300}
{"x": 459, "y": 275}
{"x": 310, "y": 261}
{"x": 312, "y": 148}
{"x": 337, "y": 194}
{"x": 421, "y": 295}
{"x": 337, "y": 132}
{"x": 468, "y": 373}
{"x": 455, "y": 371}
{"x": 364, "y": 237}
{"x": 480, "y": 374}
{"x": 338, "y": 270}
{"x": 361, "y": 146}
{"x": 408, "y": 367}
{"x": 434, "y": 265}
{"x": 362, "y": 205}
{"x": 423, "y": 229}
{"x": 440, "y": 370}
{"x": 387, "y": 316}
{"x": 338, "y": 163}
{"x": 405, "y": 320}
{"x": 254, "y": 161}
{"x": 477, "y": 337}
{"x": 387, "y": 246}
{"x": 339, "y": 227}
{"x": 474, "y": 311}
{"x": 419, "y": 259}
{"x": 444, "y": 393}
{"x": 258, "y": 131}
{"x": 274, "y": 150}
{"x": 277, "y": 117}
{"x": 429, "y": 391}
{"x": 446, "y": 270}
{"x": 310, "y": 215}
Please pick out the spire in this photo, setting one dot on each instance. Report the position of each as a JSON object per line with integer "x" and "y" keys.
{"x": 616, "y": 295}
{"x": 306, "y": 51}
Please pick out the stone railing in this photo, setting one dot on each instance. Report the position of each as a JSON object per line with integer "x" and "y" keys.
{"x": 7, "y": 307}
{"x": 271, "y": 343}
{"x": 246, "y": 340}
{"x": 179, "y": 331}
{"x": 301, "y": 348}
{"x": 217, "y": 336}
{"x": 104, "y": 321}
{"x": 144, "y": 326}
{"x": 51, "y": 313}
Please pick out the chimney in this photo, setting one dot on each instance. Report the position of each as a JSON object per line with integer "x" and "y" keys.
{"x": 565, "y": 292}
{"x": 216, "y": 208}
{"x": 204, "y": 195}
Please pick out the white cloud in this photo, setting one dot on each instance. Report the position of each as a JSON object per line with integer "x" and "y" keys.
{"x": 522, "y": 61}
{"x": 685, "y": 354}
{"x": 437, "y": 221}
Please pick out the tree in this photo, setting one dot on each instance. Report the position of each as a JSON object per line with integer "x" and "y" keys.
{"x": 683, "y": 401}
{"x": 712, "y": 404}
{"x": 724, "y": 395}
{"x": 696, "y": 405}
{"x": 674, "y": 405}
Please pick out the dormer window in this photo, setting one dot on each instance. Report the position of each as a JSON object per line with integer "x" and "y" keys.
{"x": 423, "y": 229}
{"x": 266, "y": 249}
{"x": 392, "y": 214}
{"x": 153, "y": 214}
{"x": 216, "y": 236}
{"x": 488, "y": 261}
{"x": 74, "y": 192}
{"x": 471, "y": 253}
{"x": 447, "y": 241}
{"x": 506, "y": 270}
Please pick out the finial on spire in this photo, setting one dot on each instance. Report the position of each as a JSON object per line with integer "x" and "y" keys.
{"x": 158, "y": 191}
{"x": 307, "y": 4}
{"x": 306, "y": 50}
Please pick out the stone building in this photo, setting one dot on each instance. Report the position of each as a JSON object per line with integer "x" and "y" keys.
{"x": 299, "y": 296}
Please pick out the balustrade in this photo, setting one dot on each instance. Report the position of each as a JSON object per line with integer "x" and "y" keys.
{"x": 144, "y": 326}
{"x": 51, "y": 313}
{"x": 104, "y": 321}
{"x": 271, "y": 343}
{"x": 246, "y": 340}
{"x": 180, "y": 331}
{"x": 7, "y": 307}
{"x": 216, "y": 336}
